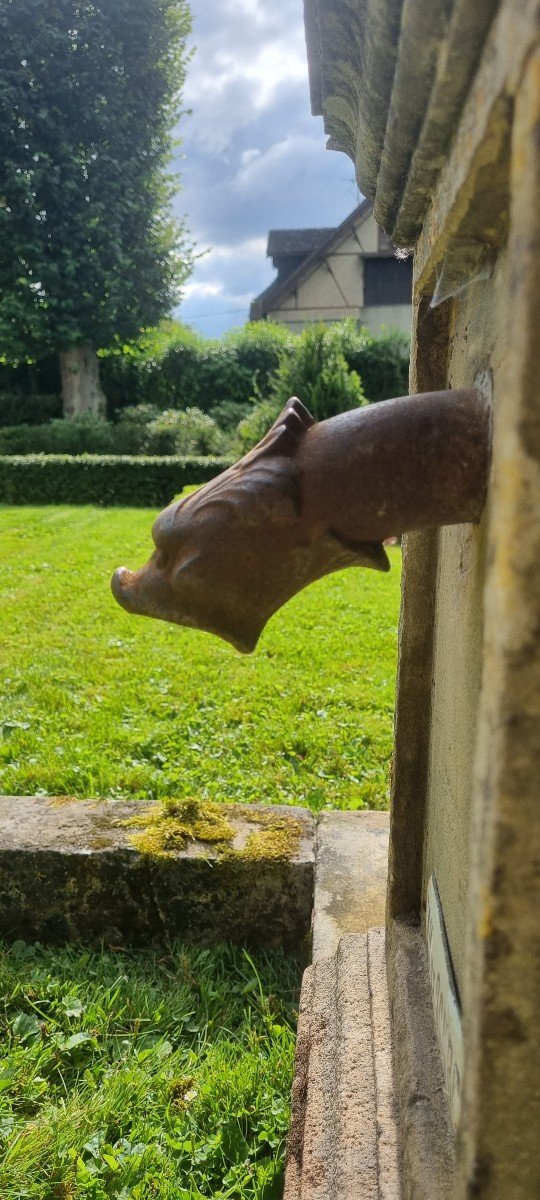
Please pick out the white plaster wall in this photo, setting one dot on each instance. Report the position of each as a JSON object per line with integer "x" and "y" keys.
{"x": 380, "y": 318}
{"x": 320, "y": 290}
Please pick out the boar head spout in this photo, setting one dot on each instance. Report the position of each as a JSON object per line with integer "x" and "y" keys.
{"x": 230, "y": 554}
{"x": 311, "y": 498}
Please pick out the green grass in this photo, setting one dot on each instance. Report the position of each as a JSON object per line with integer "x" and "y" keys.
{"x": 166, "y": 1074}
{"x": 134, "y": 1076}
{"x": 98, "y": 703}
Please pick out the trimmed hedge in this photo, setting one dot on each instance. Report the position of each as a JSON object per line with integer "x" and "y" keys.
{"x": 111, "y": 479}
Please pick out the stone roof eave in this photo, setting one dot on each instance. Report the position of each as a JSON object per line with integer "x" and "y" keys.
{"x": 390, "y": 78}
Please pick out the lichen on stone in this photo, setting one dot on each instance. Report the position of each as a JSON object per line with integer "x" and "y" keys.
{"x": 167, "y": 827}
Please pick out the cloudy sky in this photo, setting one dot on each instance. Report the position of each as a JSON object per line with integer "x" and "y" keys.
{"x": 253, "y": 156}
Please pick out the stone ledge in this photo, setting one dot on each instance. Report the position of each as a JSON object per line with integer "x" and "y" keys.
{"x": 343, "y": 1141}
{"x": 69, "y": 872}
{"x": 350, "y": 876}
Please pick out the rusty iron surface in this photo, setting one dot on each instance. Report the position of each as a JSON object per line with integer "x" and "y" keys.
{"x": 309, "y": 499}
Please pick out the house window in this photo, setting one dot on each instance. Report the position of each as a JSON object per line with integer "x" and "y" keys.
{"x": 387, "y": 281}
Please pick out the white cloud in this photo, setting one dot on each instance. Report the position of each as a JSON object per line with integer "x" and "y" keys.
{"x": 253, "y": 156}
{"x": 196, "y": 289}
{"x": 238, "y": 252}
{"x": 291, "y": 154}
{"x": 233, "y": 77}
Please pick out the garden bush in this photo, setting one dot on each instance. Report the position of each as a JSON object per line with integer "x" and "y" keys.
{"x": 132, "y": 429}
{"x": 143, "y": 429}
{"x": 28, "y": 408}
{"x": 83, "y": 435}
{"x": 174, "y": 368}
{"x": 314, "y": 369}
{"x": 382, "y": 364}
{"x": 101, "y": 479}
{"x": 171, "y": 367}
{"x": 186, "y": 432}
{"x": 228, "y": 413}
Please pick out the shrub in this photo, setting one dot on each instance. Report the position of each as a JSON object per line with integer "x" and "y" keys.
{"x": 132, "y": 430}
{"x": 188, "y": 432}
{"x": 259, "y": 346}
{"x": 106, "y": 479}
{"x": 228, "y": 413}
{"x": 173, "y": 367}
{"x": 140, "y": 430}
{"x": 28, "y": 408}
{"x": 82, "y": 435}
{"x": 314, "y": 369}
{"x": 382, "y": 363}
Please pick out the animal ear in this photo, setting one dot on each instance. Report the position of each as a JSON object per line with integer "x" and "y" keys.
{"x": 294, "y": 419}
{"x": 286, "y": 432}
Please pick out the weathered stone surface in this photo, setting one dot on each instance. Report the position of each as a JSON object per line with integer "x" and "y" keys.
{"x": 350, "y": 876}
{"x": 454, "y": 169}
{"x": 426, "y": 1134}
{"x": 390, "y": 78}
{"x": 69, "y": 871}
{"x": 343, "y": 1139}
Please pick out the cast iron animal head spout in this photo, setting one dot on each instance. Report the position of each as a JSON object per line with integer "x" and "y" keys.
{"x": 309, "y": 499}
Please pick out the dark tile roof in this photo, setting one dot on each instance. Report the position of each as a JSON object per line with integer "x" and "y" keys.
{"x": 296, "y": 241}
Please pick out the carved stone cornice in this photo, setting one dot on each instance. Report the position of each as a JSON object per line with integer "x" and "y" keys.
{"x": 390, "y": 78}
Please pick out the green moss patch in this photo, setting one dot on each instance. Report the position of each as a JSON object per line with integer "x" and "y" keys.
{"x": 277, "y": 836}
{"x": 168, "y": 827}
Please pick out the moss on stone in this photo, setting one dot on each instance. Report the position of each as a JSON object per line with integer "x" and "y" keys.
{"x": 278, "y": 840}
{"x": 168, "y": 827}
{"x": 277, "y": 836}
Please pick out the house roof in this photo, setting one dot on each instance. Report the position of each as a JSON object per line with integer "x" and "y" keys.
{"x": 282, "y": 242}
{"x": 281, "y": 288}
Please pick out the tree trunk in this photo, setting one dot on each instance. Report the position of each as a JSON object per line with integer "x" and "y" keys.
{"x": 81, "y": 388}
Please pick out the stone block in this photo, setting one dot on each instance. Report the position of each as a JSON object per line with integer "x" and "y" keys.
{"x": 350, "y": 876}
{"x": 78, "y": 871}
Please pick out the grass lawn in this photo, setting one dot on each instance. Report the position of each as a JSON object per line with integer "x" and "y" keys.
{"x": 134, "y": 1076}
{"x": 94, "y": 702}
{"x": 166, "y": 1074}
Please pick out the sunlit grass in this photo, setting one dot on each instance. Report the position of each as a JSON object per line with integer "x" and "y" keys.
{"x": 99, "y": 703}
{"x": 168, "y": 1074}
{"x": 138, "y": 1075}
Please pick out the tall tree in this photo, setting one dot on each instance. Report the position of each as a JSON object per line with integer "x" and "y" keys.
{"x": 89, "y": 250}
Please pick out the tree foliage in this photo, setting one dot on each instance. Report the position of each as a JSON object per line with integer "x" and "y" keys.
{"x": 315, "y": 369}
{"x": 89, "y": 250}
